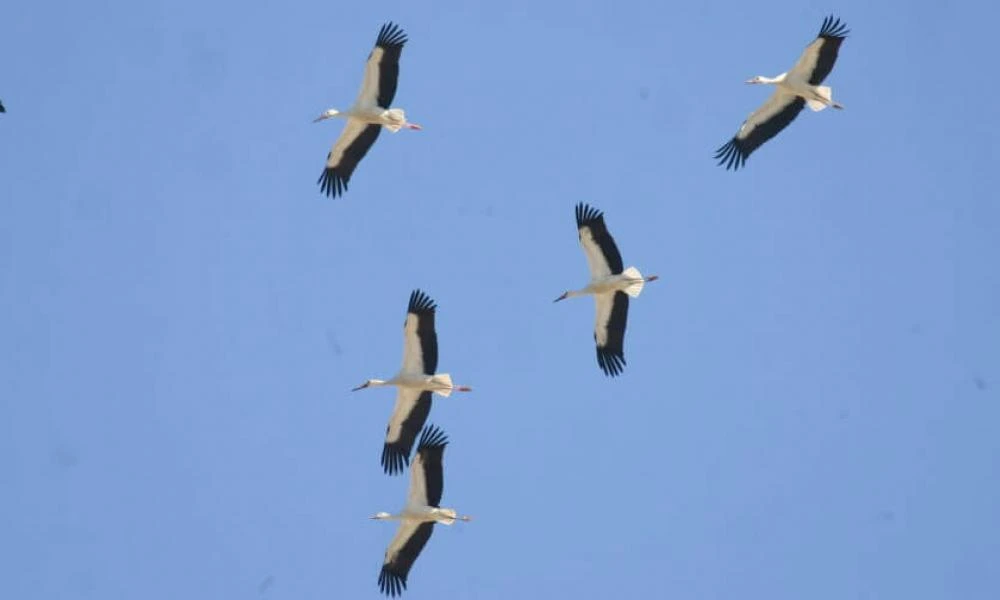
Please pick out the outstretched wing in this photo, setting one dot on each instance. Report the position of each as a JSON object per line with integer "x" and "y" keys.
{"x": 352, "y": 145}
{"x": 403, "y": 550}
{"x": 765, "y": 123}
{"x": 818, "y": 58}
{"x": 382, "y": 69}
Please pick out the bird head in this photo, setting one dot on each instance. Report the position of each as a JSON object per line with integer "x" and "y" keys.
{"x": 755, "y": 79}
{"x": 333, "y": 112}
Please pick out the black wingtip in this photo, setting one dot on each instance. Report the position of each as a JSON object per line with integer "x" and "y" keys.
{"x": 731, "y": 155}
{"x": 420, "y": 302}
{"x": 611, "y": 363}
{"x": 586, "y": 214}
{"x": 432, "y": 437}
{"x": 391, "y": 36}
{"x": 391, "y": 584}
{"x": 833, "y": 28}
{"x": 2, "y": 109}
{"x": 394, "y": 460}
{"x": 331, "y": 183}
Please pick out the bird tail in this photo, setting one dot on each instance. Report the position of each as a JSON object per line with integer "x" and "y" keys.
{"x": 442, "y": 384}
{"x": 445, "y": 516}
{"x": 635, "y": 288}
{"x": 826, "y": 94}
{"x": 397, "y": 118}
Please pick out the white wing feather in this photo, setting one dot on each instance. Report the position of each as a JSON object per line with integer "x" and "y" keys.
{"x": 807, "y": 62}
{"x": 368, "y": 95}
{"x": 417, "y": 496}
{"x": 595, "y": 258}
{"x": 350, "y": 133}
{"x": 603, "y": 303}
{"x": 775, "y": 104}
{"x": 413, "y": 353}
{"x": 406, "y": 398}
{"x": 405, "y": 531}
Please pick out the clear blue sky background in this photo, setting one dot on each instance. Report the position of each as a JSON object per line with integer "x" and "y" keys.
{"x": 811, "y": 402}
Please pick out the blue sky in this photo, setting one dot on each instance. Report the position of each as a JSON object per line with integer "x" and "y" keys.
{"x": 812, "y": 391}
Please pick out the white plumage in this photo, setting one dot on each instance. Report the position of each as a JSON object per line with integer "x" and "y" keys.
{"x": 369, "y": 114}
{"x": 611, "y": 286}
{"x": 421, "y": 512}
{"x": 794, "y": 90}
{"x": 415, "y": 382}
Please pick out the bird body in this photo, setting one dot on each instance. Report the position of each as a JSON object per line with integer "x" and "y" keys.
{"x": 794, "y": 90}
{"x": 370, "y": 112}
{"x": 610, "y": 285}
{"x": 440, "y": 383}
{"x": 415, "y": 383}
{"x": 420, "y": 513}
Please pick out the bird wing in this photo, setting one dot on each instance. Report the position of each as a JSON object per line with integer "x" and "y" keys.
{"x": 603, "y": 256}
{"x": 427, "y": 470}
{"x": 818, "y": 58}
{"x": 352, "y": 145}
{"x": 765, "y": 123}
{"x": 408, "y": 417}
{"x": 402, "y": 552}
{"x": 382, "y": 68}
{"x": 420, "y": 350}
{"x": 609, "y": 331}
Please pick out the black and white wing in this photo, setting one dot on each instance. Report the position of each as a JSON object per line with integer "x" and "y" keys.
{"x": 818, "y": 58}
{"x": 352, "y": 145}
{"x": 603, "y": 257}
{"x": 765, "y": 123}
{"x": 420, "y": 348}
{"x": 609, "y": 332}
{"x": 427, "y": 470}
{"x": 382, "y": 68}
{"x": 408, "y": 418}
{"x": 2, "y": 109}
{"x": 403, "y": 550}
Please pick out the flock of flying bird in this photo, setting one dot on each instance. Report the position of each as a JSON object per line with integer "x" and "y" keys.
{"x": 611, "y": 284}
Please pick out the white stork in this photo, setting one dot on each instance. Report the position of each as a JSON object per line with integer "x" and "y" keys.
{"x": 369, "y": 114}
{"x": 415, "y": 383}
{"x": 794, "y": 90}
{"x": 609, "y": 284}
{"x": 421, "y": 512}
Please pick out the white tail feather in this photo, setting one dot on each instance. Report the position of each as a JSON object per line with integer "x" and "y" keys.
{"x": 445, "y": 516}
{"x": 442, "y": 381}
{"x": 397, "y": 116}
{"x": 636, "y": 288}
{"x": 826, "y": 93}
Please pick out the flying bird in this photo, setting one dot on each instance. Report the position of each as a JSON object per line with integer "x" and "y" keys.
{"x": 415, "y": 383}
{"x": 421, "y": 512}
{"x": 2, "y": 109}
{"x": 609, "y": 284}
{"x": 370, "y": 113}
{"x": 794, "y": 90}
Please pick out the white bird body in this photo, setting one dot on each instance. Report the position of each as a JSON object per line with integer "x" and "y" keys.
{"x": 629, "y": 281}
{"x": 420, "y": 513}
{"x": 440, "y": 383}
{"x": 415, "y": 383}
{"x": 794, "y": 90}
{"x": 610, "y": 285}
{"x": 369, "y": 114}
